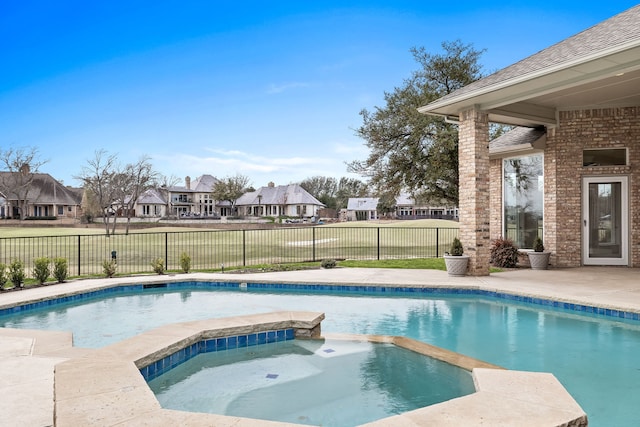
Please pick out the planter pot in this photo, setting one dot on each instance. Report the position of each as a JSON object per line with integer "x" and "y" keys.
{"x": 456, "y": 265}
{"x": 539, "y": 260}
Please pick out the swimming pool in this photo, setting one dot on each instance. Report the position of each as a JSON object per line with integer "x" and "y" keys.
{"x": 595, "y": 357}
{"x": 317, "y": 382}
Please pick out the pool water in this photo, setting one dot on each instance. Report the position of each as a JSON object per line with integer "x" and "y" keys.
{"x": 328, "y": 383}
{"x": 595, "y": 358}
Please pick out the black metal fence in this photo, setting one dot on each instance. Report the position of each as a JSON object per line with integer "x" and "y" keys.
{"x": 213, "y": 249}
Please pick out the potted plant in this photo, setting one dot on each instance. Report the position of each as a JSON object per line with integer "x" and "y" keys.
{"x": 455, "y": 260}
{"x": 538, "y": 258}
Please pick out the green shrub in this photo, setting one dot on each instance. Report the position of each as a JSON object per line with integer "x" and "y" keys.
{"x": 60, "y": 269}
{"x": 41, "y": 269}
{"x": 504, "y": 253}
{"x": 328, "y": 263}
{"x": 538, "y": 246}
{"x": 3, "y": 275}
{"x": 109, "y": 267}
{"x": 158, "y": 265}
{"x": 456, "y": 247}
{"x": 185, "y": 262}
{"x": 16, "y": 273}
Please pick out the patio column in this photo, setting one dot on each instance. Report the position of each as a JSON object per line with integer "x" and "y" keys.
{"x": 473, "y": 157}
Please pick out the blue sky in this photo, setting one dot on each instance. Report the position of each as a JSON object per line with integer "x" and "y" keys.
{"x": 271, "y": 90}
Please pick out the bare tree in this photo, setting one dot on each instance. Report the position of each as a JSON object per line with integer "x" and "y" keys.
{"x": 165, "y": 183}
{"x": 99, "y": 178}
{"x": 21, "y": 165}
{"x": 137, "y": 178}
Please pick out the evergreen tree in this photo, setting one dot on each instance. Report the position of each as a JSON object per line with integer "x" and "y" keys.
{"x": 411, "y": 151}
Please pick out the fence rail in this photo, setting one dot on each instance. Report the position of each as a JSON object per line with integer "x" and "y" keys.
{"x": 211, "y": 249}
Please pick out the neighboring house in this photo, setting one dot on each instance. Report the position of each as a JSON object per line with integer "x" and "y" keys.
{"x": 283, "y": 200}
{"x": 362, "y": 208}
{"x": 151, "y": 204}
{"x": 366, "y": 208}
{"x": 194, "y": 199}
{"x": 46, "y": 197}
{"x": 406, "y": 208}
{"x": 570, "y": 171}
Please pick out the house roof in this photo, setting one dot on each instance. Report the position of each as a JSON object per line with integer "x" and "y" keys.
{"x": 44, "y": 190}
{"x": 151, "y": 197}
{"x": 292, "y": 194}
{"x": 362, "y": 203}
{"x": 404, "y": 199}
{"x": 597, "y": 67}
{"x": 518, "y": 140}
{"x": 202, "y": 184}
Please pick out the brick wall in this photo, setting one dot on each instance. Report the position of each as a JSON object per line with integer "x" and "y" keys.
{"x": 496, "y": 180}
{"x": 585, "y": 129}
{"x": 563, "y": 174}
{"x": 473, "y": 156}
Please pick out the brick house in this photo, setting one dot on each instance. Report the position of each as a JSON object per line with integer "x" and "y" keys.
{"x": 570, "y": 170}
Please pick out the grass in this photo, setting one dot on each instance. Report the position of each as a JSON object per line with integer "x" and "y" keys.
{"x": 413, "y": 263}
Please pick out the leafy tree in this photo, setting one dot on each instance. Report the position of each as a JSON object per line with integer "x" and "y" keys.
{"x": 349, "y": 187}
{"x": 386, "y": 204}
{"x": 322, "y": 188}
{"x": 20, "y": 165}
{"x": 230, "y": 189}
{"x": 411, "y": 151}
{"x": 333, "y": 193}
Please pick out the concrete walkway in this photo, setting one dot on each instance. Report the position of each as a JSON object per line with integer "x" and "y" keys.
{"x": 27, "y": 358}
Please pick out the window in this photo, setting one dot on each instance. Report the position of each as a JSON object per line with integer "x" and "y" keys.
{"x": 604, "y": 157}
{"x": 523, "y": 184}
{"x": 60, "y": 210}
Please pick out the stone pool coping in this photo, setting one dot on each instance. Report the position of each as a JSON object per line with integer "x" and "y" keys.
{"x": 104, "y": 386}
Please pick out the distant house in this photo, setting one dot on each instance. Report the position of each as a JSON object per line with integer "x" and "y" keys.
{"x": 194, "y": 199}
{"x": 407, "y": 208}
{"x": 151, "y": 204}
{"x": 283, "y": 200}
{"x": 366, "y": 208}
{"x": 362, "y": 208}
{"x": 43, "y": 197}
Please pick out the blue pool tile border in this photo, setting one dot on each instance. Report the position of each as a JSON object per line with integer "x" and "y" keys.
{"x": 324, "y": 288}
{"x": 169, "y": 362}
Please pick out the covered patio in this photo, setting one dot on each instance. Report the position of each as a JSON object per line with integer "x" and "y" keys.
{"x": 583, "y": 93}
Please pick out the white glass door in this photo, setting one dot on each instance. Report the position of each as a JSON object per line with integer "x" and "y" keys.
{"x": 605, "y": 221}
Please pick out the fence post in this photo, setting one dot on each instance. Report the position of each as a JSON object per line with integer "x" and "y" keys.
{"x": 437, "y": 242}
{"x": 166, "y": 250}
{"x": 378, "y": 243}
{"x": 79, "y": 254}
{"x": 313, "y": 244}
{"x": 244, "y": 248}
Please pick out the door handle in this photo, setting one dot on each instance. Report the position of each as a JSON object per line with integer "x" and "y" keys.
{"x": 585, "y": 222}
